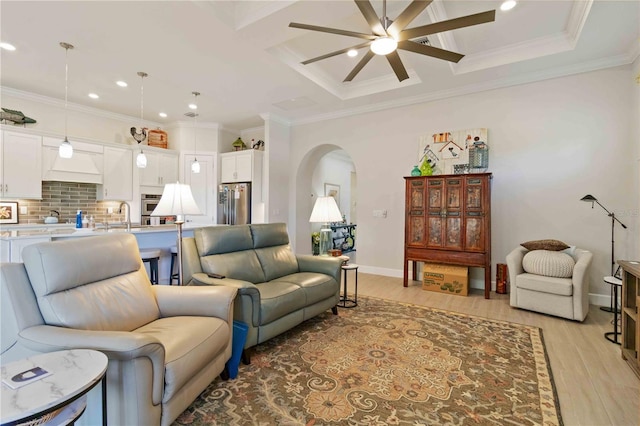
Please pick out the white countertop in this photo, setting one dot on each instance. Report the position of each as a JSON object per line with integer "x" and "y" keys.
{"x": 68, "y": 230}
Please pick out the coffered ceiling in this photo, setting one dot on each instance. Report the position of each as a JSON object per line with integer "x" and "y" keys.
{"x": 245, "y": 60}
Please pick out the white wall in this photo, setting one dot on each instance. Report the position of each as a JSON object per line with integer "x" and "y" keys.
{"x": 550, "y": 143}
{"x": 276, "y": 177}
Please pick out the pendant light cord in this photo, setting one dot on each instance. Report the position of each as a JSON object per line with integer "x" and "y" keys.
{"x": 195, "y": 118}
{"x": 66, "y": 89}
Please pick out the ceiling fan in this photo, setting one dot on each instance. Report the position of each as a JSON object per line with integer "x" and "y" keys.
{"x": 388, "y": 36}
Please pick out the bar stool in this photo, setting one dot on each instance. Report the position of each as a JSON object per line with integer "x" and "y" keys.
{"x": 152, "y": 256}
{"x": 173, "y": 275}
{"x": 344, "y": 301}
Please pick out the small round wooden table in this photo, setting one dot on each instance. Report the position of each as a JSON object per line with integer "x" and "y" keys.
{"x": 73, "y": 373}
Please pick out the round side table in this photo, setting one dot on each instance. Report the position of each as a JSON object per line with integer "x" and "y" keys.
{"x": 345, "y": 302}
{"x": 73, "y": 373}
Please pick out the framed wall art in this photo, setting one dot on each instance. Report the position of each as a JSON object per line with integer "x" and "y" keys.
{"x": 8, "y": 212}
{"x": 332, "y": 190}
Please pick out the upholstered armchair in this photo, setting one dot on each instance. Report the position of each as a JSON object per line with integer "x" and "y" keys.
{"x": 550, "y": 282}
{"x": 165, "y": 345}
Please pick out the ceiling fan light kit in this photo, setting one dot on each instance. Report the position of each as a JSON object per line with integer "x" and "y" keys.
{"x": 388, "y": 36}
{"x": 384, "y": 45}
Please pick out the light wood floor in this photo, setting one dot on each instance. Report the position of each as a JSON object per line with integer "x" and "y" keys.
{"x": 595, "y": 385}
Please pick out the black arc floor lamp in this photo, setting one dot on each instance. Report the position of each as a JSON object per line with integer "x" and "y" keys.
{"x": 591, "y": 199}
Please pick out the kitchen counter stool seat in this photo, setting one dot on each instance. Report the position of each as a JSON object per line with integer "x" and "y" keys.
{"x": 152, "y": 256}
{"x": 173, "y": 274}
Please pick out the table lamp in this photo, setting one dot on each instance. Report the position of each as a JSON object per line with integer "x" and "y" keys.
{"x": 177, "y": 200}
{"x": 325, "y": 210}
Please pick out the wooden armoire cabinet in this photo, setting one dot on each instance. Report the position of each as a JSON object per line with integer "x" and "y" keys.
{"x": 448, "y": 220}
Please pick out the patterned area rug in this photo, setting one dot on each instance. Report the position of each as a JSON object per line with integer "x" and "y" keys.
{"x": 386, "y": 363}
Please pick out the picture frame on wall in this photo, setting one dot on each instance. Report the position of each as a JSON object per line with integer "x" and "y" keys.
{"x": 8, "y": 212}
{"x": 332, "y": 190}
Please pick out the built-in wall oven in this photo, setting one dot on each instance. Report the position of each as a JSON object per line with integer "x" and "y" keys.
{"x": 148, "y": 203}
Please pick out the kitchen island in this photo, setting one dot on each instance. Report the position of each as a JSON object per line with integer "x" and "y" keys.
{"x": 13, "y": 239}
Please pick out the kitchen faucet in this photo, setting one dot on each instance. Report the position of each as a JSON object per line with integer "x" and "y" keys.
{"x": 128, "y": 213}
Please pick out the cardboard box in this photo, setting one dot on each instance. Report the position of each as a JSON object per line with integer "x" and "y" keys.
{"x": 445, "y": 279}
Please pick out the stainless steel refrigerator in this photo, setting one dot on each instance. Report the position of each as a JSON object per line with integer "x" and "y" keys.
{"x": 234, "y": 203}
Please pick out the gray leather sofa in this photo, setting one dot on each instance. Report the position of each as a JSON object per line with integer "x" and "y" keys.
{"x": 164, "y": 344}
{"x": 276, "y": 288}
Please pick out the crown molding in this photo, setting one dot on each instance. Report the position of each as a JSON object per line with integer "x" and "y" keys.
{"x": 596, "y": 65}
{"x": 341, "y": 90}
{"x": 181, "y": 124}
{"x": 267, "y": 116}
{"x": 46, "y": 100}
{"x": 542, "y": 46}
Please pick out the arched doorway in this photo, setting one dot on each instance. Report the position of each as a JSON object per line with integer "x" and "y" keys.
{"x": 324, "y": 168}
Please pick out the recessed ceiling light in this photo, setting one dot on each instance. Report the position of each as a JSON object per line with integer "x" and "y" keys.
{"x": 7, "y": 46}
{"x": 93, "y": 96}
{"x": 193, "y": 106}
{"x": 508, "y": 5}
{"x": 121, "y": 83}
{"x": 163, "y": 114}
{"x": 352, "y": 53}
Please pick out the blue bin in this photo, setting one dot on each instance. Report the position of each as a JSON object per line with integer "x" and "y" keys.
{"x": 240, "y": 331}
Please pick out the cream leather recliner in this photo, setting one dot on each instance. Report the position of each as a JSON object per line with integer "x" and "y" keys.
{"x": 165, "y": 344}
{"x": 566, "y": 296}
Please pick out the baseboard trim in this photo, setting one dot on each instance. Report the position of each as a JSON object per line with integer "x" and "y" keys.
{"x": 594, "y": 298}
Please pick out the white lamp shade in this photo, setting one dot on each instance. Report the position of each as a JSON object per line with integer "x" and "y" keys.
{"x": 65, "y": 150}
{"x": 325, "y": 210}
{"x": 177, "y": 200}
{"x": 141, "y": 160}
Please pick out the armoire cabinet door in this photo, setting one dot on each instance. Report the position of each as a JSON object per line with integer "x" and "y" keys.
{"x": 475, "y": 206}
{"x": 416, "y": 204}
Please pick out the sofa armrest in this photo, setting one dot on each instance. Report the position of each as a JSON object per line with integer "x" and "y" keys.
{"x": 190, "y": 259}
{"x": 116, "y": 345}
{"x": 514, "y": 267}
{"x": 327, "y": 265}
{"x": 245, "y": 289}
{"x": 580, "y": 269}
{"x": 210, "y": 301}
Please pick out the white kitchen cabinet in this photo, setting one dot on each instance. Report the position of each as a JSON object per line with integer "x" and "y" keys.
{"x": 20, "y": 165}
{"x": 203, "y": 187}
{"x": 117, "y": 180}
{"x": 241, "y": 166}
{"x": 162, "y": 168}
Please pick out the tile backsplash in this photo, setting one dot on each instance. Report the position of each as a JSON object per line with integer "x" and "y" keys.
{"x": 67, "y": 198}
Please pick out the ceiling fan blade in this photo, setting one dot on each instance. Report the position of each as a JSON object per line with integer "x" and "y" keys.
{"x": 450, "y": 24}
{"x": 337, "y": 52}
{"x": 332, "y": 31}
{"x": 409, "y": 14}
{"x": 371, "y": 16}
{"x": 396, "y": 64}
{"x": 430, "y": 51}
{"x": 365, "y": 59}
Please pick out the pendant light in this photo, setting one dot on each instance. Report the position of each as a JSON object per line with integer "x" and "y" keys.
{"x": 65, "y": 150}
{"x": 195, "y": 166}
{"x": 141, "y": 159}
